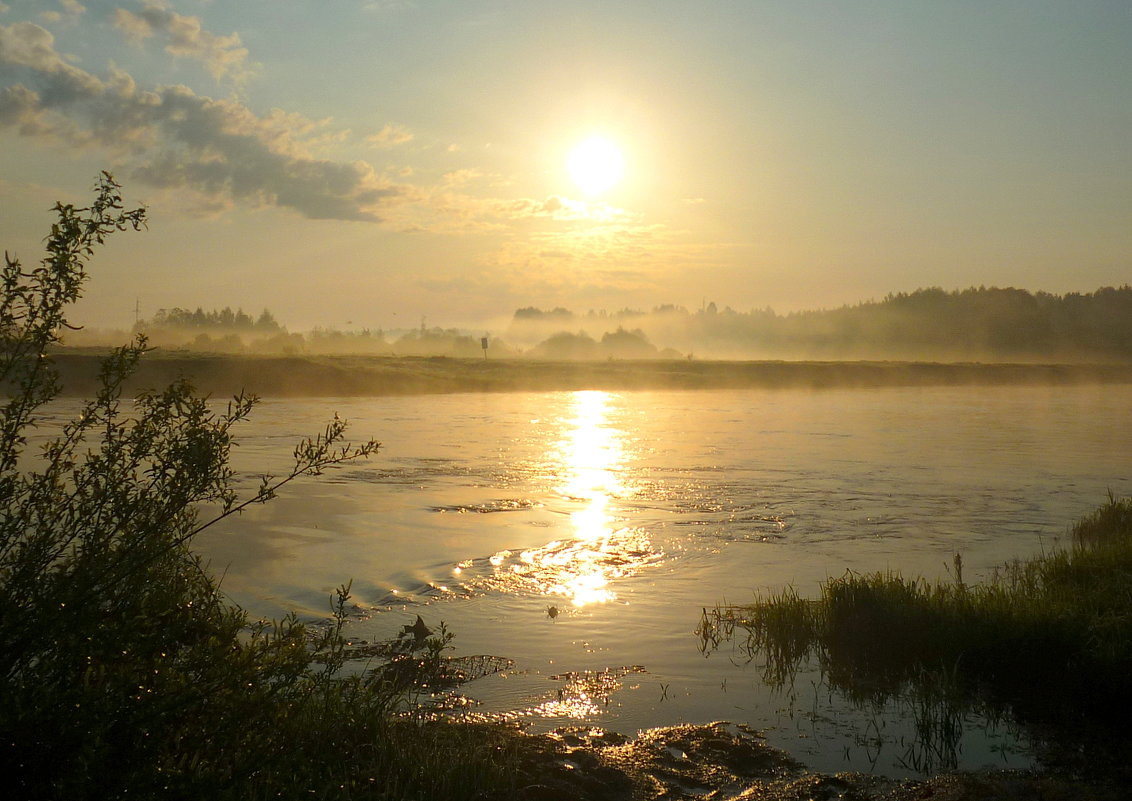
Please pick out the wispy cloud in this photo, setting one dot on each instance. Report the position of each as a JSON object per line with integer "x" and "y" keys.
{"x": 390, "y": 136}
{"x": 627, "y": 256}
{"x": 172, "y": 137}
{"x": 387, "y": 5}
{"x": 562, "y": 208}
{"x": 469, "y": 201}
{"x": 523, "y": 269}
{"x": 185, "y": 37}
{"x": 68, "y": 11}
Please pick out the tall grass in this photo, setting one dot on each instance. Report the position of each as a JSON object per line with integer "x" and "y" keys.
{"x": 1048, "y": 640}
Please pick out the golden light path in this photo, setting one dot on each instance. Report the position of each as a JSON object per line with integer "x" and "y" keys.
{"x": 590, "y": 464}
{"x": 581, "y": 568}
{"x": 592, "y": 452}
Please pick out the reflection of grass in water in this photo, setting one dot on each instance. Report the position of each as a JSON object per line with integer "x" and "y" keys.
{"x": 1048, "y": 641}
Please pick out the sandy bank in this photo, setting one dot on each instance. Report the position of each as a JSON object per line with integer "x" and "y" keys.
{"x": 343, "y": 376}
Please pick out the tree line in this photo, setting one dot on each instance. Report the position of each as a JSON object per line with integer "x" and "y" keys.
{"x": 216, "y": 319}
{"x": 976, "y": 322}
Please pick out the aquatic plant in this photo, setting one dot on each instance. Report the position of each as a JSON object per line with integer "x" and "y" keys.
{"x": 1047, "y": 640}
{"x": 124, "y": 671}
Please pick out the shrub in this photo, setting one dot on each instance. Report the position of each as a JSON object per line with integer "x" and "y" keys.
{"x": 124, "y": 671}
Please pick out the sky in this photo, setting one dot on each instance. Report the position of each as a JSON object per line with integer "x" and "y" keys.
{"x": 379, "y": 163}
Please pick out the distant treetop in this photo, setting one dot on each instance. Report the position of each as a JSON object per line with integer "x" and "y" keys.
{"x": 223, "y": 319}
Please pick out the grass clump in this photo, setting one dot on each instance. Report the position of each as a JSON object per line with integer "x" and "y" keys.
{"x": 124, "y": 671}
{"x": 1048, "y": 640}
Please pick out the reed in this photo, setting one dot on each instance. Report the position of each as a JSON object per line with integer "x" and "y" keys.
{"x": 1048, "y": 640}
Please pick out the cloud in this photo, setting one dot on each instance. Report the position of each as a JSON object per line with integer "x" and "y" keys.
{"x": 72, "y": 10}
{"x": 449, "y": 208}
{"x": 172, "y": 137}
{"x": 628, "y": 256}
{"x": 387, "y": 5}
{"x": 462, "y": 177}
{"x": 223, "y": 56}
{"x": 390, "y": 136}
{"x": 536, "y": 269}
{"x": 615, "y": 244}
{"x": 560, "y": 209}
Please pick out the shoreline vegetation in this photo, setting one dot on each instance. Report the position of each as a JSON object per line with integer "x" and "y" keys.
{"x": 1045, "y": 644}
{"x": 221, "y": 375}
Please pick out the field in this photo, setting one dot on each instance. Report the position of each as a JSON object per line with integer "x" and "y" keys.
{"x": 347, "y": 376}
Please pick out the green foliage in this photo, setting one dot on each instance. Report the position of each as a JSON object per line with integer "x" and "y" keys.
{"x": 1049, "y": 639}
{"x": 123, "y": 669}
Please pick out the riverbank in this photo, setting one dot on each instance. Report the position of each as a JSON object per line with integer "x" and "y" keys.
{"x": 376, "y": 376}
{"x": 726, "y": 762}
{"x": 1044, "y": 643}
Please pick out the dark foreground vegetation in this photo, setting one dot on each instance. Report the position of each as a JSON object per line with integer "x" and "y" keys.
{"x": 126, "y": 673}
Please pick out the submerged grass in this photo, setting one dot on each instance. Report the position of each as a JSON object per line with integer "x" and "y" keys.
{"x": 1048, "y": 640}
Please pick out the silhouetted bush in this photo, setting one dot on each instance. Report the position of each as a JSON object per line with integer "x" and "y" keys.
{"x": 124, "y": 672}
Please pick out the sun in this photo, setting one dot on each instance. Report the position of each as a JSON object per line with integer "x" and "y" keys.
{"x": 595, "y": 165}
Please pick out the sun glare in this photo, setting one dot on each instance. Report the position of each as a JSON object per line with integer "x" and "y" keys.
{"x": 595, "y": 165}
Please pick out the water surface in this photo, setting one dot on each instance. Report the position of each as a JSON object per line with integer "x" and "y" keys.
{"x": 581, "y": 533}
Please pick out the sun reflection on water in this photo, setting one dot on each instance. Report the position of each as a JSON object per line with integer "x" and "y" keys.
{"x": 591, "y": 461}
{"x": 592, "y": 454}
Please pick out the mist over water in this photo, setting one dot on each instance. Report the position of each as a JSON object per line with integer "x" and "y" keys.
{"x": 581, "y": 533}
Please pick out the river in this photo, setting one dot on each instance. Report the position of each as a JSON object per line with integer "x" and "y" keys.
{"x": 581, "y": 533}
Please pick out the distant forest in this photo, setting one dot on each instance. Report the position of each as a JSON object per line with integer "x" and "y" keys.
{"x": 976, "y": 324}
{"x": 228, "y": 331}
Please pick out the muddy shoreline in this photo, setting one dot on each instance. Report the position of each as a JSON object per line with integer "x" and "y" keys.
{"x": 376, "y": 376}
{"x": 726, "y": 762}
